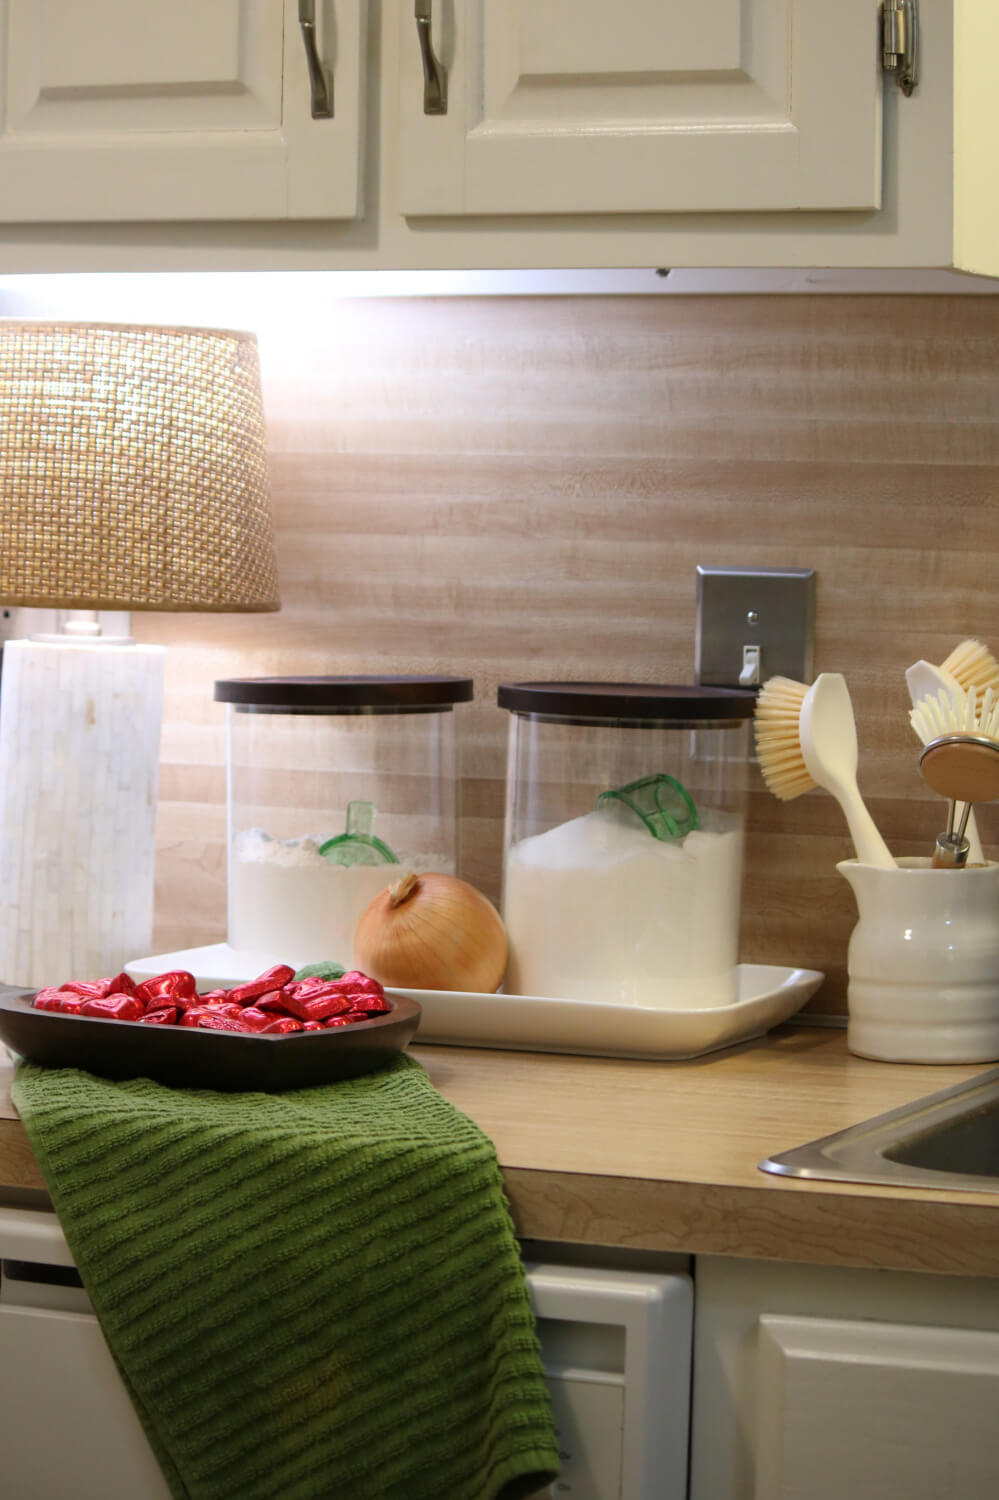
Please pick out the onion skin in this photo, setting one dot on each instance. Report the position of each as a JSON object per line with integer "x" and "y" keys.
{"x": 432, "y": 932}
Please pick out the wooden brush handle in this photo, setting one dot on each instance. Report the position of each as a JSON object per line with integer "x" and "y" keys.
{"x": 964, "y": 771}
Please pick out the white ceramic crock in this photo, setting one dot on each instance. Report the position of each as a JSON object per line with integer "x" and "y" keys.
{"x": 924, "y": 963}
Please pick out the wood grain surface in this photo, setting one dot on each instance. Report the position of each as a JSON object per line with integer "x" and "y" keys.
{"x": 522, "y": 488}
{"x": 664, "y": 1156}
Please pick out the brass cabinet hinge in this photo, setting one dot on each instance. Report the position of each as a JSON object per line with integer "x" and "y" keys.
{"x": 900, "y": 42}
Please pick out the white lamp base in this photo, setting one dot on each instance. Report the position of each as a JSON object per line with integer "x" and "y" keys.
{"x": 79, "y": 778}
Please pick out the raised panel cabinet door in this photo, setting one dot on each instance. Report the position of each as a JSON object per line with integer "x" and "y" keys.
{"x": 643, "y": 106}
{"x": 138, "y": 110}
{"x": 875, "y": 1411}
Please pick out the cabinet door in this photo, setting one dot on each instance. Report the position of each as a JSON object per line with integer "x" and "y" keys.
{"x": 68, "y": 1430}
{"x": 133, "y": 109}
{"x": 875, "y": 1410}
{"x": 584, "y": 106}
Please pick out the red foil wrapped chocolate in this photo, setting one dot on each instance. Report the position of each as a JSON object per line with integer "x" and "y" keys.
{"x": 356, "y": 983}
{"x": 212, "y": 1021}
{"x": 170, "y": 988}
{"x": 316, "y": 1006}
{"x": 273, "y": 1004}
{"x": 272, "y": 979}
{"x": 273, "y": 1000}
{"x": 281, "y": 1026}
{"x": 115, "y": 1008}
{"x": 255, "y": 1019}
{"x": 66, "y": 1001}
{"x": 166, "y": 1016}
{"x": 371, "y": 1005}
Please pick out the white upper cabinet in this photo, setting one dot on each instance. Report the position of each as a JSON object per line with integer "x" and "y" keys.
{"x": 139, "y": 110}
{"x": 180, "y": 135}
{"x": 643, "y": 106}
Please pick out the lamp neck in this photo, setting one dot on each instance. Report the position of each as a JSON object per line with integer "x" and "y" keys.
{"x": 81, "y": 627}
{"x": 82, "y": 623}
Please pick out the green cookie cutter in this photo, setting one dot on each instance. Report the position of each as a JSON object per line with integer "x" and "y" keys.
{"x": 358, "y": 845}
{"x": 664, "y": 806}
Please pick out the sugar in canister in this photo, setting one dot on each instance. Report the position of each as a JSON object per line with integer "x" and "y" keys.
{"x": 336, "y": 787}
{"x": 623, "y": 841}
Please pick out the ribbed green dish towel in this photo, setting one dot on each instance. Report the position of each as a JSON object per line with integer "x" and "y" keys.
{"x": 309, "y": 1294}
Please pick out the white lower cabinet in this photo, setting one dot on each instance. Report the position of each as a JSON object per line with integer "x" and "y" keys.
{"x": 809, "y": 1383}
{"x": 825, "y": 1384}
{"x": 874, "y": 1409}
{"x": 616, "y": 1346}
{"x": 68, "y": 1430}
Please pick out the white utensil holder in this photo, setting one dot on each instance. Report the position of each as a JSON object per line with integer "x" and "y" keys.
{"x": 924, "y": 963}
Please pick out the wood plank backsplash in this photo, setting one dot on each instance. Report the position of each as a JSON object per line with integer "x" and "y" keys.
{"x": 522, "y": 488}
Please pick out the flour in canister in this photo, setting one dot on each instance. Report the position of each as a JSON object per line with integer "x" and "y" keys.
{"x": 285, "y": 897}
{"x": 599, "y": 909}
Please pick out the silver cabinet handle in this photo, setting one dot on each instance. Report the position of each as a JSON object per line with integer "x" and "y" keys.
{"x": 320, "y": 84}
{"x": 434, "y": 71}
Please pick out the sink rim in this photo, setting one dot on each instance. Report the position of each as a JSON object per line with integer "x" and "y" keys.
{"x": 856, "y": 1154}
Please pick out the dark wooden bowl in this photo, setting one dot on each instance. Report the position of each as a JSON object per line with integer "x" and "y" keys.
{"x": 186, "y": 1057}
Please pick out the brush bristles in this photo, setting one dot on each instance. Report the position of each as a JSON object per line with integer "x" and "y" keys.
{"x": 778, "y": 740}
{"x": 947, "y": 713}
{"x": 972, "y": 665}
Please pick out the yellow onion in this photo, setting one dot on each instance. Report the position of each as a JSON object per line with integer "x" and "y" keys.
{"x": 432, "y": 932}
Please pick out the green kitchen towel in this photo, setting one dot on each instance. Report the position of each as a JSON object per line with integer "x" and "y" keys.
{"x": 309, "y": 1294}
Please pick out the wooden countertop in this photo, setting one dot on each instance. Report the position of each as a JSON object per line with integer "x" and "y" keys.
{"x": 663, "y": 1156}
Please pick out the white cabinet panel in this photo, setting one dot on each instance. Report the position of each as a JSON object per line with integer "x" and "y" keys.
{"x": 589, "y": 1421}
{"x": 576, "y": 106}
{"x": 132, "y": 110}
{"x": 68, "y": 1430}
{"x": 827, "y": 1383}
{"x": 616, "y": 1346}
{"x": 580, "y": 134}
{"x": 875, "y": 1410}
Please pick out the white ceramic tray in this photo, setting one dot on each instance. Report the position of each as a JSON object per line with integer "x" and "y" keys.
{"x": 214, "y": 967}
{"x": 767, "y": 995}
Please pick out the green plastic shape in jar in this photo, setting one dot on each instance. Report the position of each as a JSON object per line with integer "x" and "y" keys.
{"x": 358, "y": 845}
{"x": 663, "y": 804}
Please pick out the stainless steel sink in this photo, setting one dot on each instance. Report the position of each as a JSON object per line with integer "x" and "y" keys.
{"x": 945, "y": 1140}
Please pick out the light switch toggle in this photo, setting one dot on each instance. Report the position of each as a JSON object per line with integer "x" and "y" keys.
{"x": 750, "y": 674}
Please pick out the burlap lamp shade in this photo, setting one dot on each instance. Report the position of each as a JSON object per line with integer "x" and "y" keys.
{"x": 133, "y": 469}
{"x": 133, "y": 476}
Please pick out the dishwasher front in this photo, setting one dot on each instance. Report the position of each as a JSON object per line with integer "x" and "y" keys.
{"x": 616, "y": 1346}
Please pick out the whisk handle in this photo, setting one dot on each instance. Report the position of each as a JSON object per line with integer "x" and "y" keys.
{"x": 951, "y": 852}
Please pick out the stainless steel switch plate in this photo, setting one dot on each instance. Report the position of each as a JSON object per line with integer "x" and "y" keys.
{"x": 754, "y": 623}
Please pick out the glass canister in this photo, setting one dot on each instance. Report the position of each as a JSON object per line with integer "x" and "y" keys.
{"x": 336, "y": 787}
{"x": 623, "y": 841}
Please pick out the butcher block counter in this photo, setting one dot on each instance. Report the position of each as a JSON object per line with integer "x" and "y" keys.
{"x": 658, "y": 1157}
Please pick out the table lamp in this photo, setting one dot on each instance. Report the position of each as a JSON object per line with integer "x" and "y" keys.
{"x": 133, "y": 476}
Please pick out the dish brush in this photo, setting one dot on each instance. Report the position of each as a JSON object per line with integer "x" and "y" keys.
{"x": 959, "y": 761}
{"x": 969, "y": 665}
{"x": 807, "y": 737}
